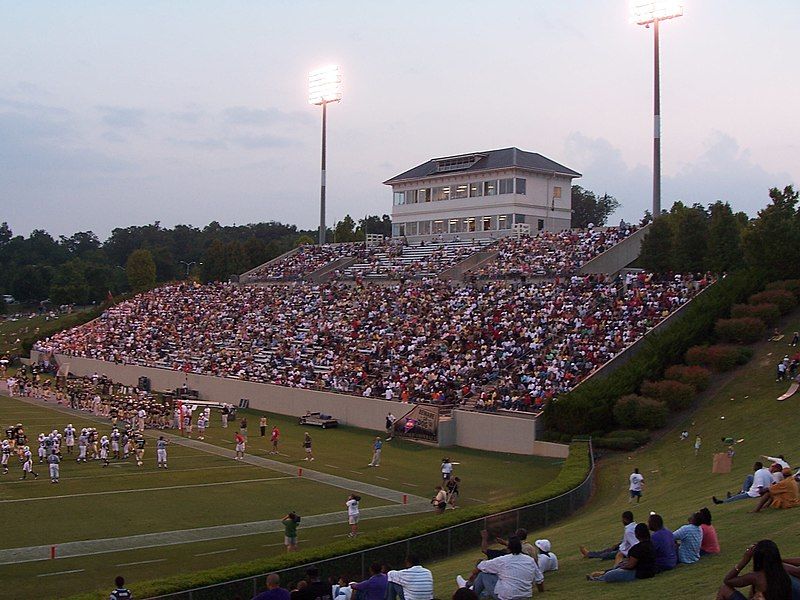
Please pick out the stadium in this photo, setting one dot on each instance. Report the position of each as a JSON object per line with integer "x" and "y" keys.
{"x": 490, "y": 393}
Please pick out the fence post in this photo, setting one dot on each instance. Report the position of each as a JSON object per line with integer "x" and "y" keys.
{"x": 255, "y": 586}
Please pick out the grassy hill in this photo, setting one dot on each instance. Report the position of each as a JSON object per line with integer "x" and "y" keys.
{"x": 741, "y": 404}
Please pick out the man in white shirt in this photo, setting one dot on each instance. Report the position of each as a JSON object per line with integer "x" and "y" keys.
{"x": 516, "y": 573}
{"x": 412, "y": 583}
{"x": 547, "y": 561}
{"x": 620, "y": 550}
{"x": 637, "y": 483}
{"x": 762, "y": 479}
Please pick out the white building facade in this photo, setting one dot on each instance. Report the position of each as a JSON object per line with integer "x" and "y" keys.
{"x": 481, "y": 195}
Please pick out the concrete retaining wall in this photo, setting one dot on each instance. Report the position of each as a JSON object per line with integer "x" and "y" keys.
{"x": 469, "y": 263}
{"x": 469, "y": 429}
{"x": 617, "y": 257}
{"x": 292, "y": 252}
{"x": 326, "y": 272}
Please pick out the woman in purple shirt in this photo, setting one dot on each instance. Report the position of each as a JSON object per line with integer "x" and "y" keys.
{"x": 373, "y": 588}
{"x": 663, "y": 543}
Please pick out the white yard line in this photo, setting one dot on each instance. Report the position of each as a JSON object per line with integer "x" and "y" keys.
{"x": 136, "y": 490}
{"x": 217, "y": 552}
{"x": 61, "y": 573}
{"x": 134, "y": 474}
{"x": 411, "y": 484}
{"x": 141, "y": 562}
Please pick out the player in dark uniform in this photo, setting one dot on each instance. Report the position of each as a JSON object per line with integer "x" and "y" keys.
{"x": 139, "y": 444}
{"x": 121, "y": 593}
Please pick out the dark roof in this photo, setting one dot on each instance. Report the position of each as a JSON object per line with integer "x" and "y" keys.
{"x": 490, "y": 159}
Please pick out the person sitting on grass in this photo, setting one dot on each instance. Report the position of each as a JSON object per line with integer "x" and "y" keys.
{"x": 710, "y": 544}
{"x": 620, "y": 550}
{"x": 640, "y": 563}
{"x": 754, "y": 485}
{"x": 547, "y": 561}
{"x": 274, "y": 590}
{"x": 522, "y": 535}
{"x": 515, "y": 574}
{"x": 663, "y": 544}
{"x": 770, "y": 576}
{"x": 784, "y": 494}
{"x": 690, "y": 538}
{"x": 415, "y": 582}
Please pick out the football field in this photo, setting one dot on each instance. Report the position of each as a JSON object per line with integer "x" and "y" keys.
{"x": 208, "y": 510}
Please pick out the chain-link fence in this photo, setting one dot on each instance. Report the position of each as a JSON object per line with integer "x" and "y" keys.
{"x": 428, "y": 547}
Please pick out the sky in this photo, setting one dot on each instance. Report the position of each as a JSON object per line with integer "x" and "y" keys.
{"x": 126, "y": 113}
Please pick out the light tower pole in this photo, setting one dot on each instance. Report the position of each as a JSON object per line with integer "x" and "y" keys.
{"x": 324, "y": 86}
{"x": 647, "y": 12}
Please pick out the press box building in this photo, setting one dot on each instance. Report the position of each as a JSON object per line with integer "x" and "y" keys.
{"x": 481, "y": 195}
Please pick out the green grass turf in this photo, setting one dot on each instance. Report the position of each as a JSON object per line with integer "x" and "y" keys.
{"x": 677, "y": 484}
{"x": 344, "y": 451}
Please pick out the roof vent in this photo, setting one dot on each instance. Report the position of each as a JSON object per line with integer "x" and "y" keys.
{"x": 457, "y": 163}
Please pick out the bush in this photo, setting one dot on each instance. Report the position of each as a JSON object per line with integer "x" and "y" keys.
{"x": 720, "y": 357}
{"x": 615, "y": 443}
{"x": 790, "y": 285}
{"x": 697, "y": 377}
{"x": 637, "y": 411}
{"x": 785, "y": 300}
{"x": 675, "y": 394}
{"x": 640, "y": 435}
{"x": 746, "y": 330}
{"x": 769, "y": 313}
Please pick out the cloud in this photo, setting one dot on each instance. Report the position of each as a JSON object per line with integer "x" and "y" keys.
{"x": 722, "y": 172}
{"x": 118, "y": 116}
{"x": 113, "y": 137}
{"x": 262, "y": 141}
{"x": 201, "y": 143}
{"x": 243, "y": 115}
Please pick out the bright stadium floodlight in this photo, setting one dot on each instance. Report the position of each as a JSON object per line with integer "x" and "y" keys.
{"x": 647, "y": 12}
{"x": 324, "y": 86}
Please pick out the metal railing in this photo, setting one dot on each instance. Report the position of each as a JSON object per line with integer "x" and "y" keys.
{"x": 430, "y": 546}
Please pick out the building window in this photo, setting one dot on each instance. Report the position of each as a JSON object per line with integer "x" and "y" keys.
{"x": 475, "y": 190}
{"x": 556, "y": 193}
{"x": 424, "y": 227}
{"x": 401, "y": 229}
{"x": 460, "y": 191}
{"x": 441, "y": 193}
{"x": 520, "y": 185}
{"x": 411, "y": 197}
{"x": 470, "y": 224}
{"x": 490, "y": 188}
{"x": 411, "y": 228}
{"x": 455, "y": 226}
{"x": 506, "y": 186}
{"x": 487, "y": 224}
{"x": 519, "y": 218}
{"x": 399, "y": 198}
{"x": 424, "y": 195}
{"x": 540, "y": 224}
{"x": 395, "y": 230}
{"x": 504, "y": 222}
{"x": 438, "y": 227}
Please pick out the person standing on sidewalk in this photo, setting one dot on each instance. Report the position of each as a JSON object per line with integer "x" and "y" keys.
{"x": 262, "y": 424}
{"x": 352, "y": 514}
{"x": 376, "y": 453}
{"x": 290, "y": 523}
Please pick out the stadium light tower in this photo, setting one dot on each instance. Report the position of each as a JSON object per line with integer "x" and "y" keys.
{"x": 647, "y": 12}
{"x": 324, "y": 86}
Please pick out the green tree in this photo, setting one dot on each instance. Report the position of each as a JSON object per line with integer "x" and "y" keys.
{"x": 256, "y": 251}
{"x": 590, "y": 208}
{"x": 689, "y": 237}
{"x": 141, "y": 270}
{"x": 215, "y": 262}
{"x": 69, "y": 284}
{"x": 31, "y": 283}
{"x": 374, "y": 224}
{"x": 345, "y": 230}
{"x": 724, "y": 239}
{"x": 304, "y": 240}
{"x": 769, "y": 242}
{"x": 235, "y": 259}
{"x": 656, "y": 252}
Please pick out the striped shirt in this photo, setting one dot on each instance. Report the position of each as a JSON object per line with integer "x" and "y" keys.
{"x": 417, "y": 582}
{"x": 515, "y": 575}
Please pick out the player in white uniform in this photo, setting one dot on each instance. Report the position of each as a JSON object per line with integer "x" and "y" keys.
{"x": 104, "y": 444}
{"x": 161, "y": 452}
{"x": 55, "y": 468}
{"x": 115, "y": 435}
{"x": 5, "y": 454}
{"x": 201, "y": 427}
{"x": 27, "y": 463}
{"x": 69, "y": 437}
{"x": 83, "y": 445}
{"x": 41, "y": 451}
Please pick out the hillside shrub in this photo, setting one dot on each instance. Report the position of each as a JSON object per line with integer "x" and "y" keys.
{"x": 769, "y": 313}
{"x": 637, "y": 411}
{"x": 784, "y": 299}
{"x": 720, "y": 357}
{"x": 590, "y": 406}
{"x": 640, "y": 435}
{"x": 292, "y": 566}
{"x": 615, "y": 443}
{"x": 675, "y": 394}
{"x": 746, "y": 330}
{"x": 790, "y": 285}
{"x": 698, "y": 377}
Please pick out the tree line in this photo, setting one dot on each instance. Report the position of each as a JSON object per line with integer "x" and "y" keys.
{"x": 81, "y": 269}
